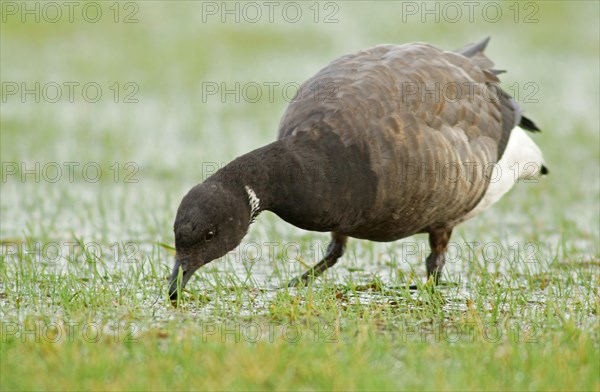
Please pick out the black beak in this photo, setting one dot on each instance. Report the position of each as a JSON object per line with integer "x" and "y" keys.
{"x": 174, "y": 282}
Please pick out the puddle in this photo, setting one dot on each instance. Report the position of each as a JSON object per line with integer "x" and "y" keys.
{"x": 116, "y": 246}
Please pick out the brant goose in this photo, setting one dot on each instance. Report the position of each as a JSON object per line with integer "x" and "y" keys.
{"x": 382, "y": 144}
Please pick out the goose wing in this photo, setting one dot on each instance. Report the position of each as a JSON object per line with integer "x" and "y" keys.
{"x": 432, "y": 123}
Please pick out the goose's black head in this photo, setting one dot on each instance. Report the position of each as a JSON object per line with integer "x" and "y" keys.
{"x": 211, "y": 221}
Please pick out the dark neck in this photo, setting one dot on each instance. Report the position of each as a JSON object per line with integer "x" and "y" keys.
{"x": 304, "y": 179}
{"x": 270, "y": 172}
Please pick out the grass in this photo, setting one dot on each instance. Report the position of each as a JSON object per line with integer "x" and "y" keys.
{"x": 84, "y": 263}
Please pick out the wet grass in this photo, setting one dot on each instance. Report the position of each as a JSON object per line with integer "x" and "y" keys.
{"x": 85, "y": 261}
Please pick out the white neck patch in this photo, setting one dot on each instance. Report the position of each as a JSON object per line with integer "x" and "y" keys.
{"x": 254, "y": 203}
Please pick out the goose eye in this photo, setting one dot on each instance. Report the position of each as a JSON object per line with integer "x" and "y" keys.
{"x": 209, "y": 236}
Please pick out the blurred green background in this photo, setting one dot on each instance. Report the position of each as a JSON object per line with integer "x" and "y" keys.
{"x": 139, "y": 99}
{"x": 157, "y": 64}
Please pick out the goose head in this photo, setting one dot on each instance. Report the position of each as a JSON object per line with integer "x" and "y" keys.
{"x": 212, "y": 220}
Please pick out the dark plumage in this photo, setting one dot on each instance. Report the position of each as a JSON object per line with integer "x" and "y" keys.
{"x": 379, "y": 156}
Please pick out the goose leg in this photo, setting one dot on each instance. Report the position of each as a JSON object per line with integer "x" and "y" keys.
{"x": 438, "y": 241}
{"x": 335, "y": 250}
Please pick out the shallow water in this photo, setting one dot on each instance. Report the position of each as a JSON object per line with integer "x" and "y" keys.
{"x": 102, "y": 232}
